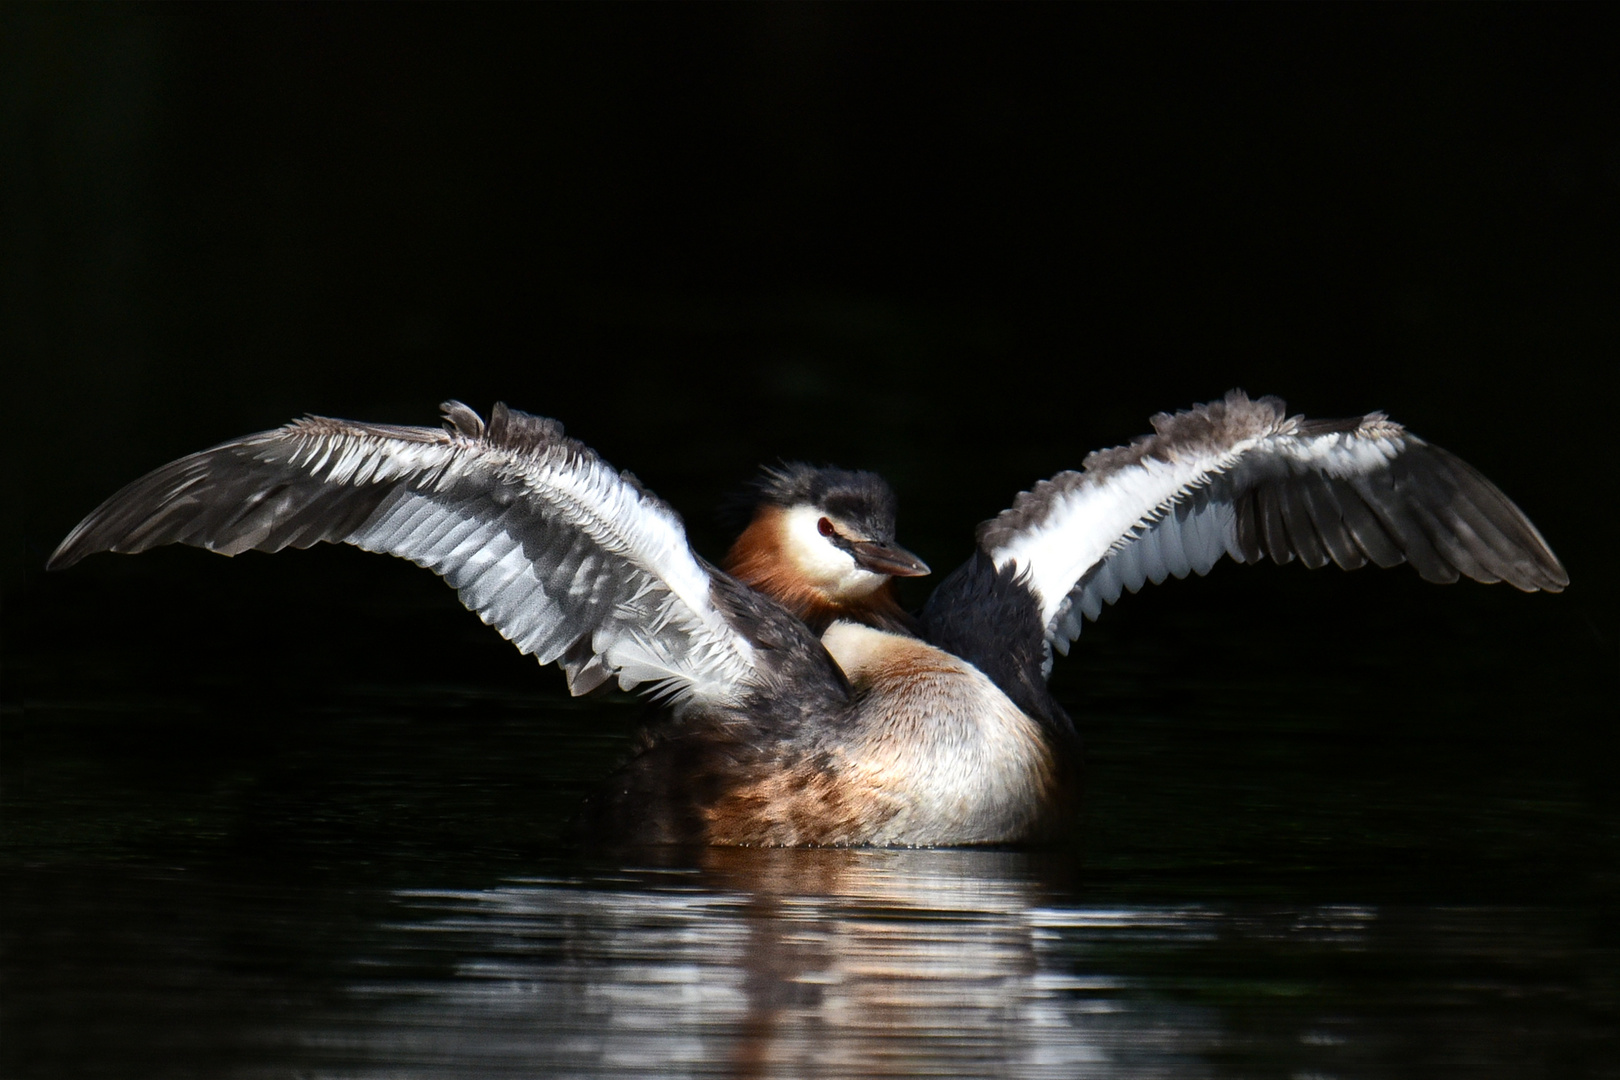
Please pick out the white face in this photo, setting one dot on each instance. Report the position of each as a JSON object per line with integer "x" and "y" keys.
{"x": 824, "y": 563}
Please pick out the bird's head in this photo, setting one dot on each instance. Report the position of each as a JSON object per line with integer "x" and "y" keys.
{"x": 822, "y": 541}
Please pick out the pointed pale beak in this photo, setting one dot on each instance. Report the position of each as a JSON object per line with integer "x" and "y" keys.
{"x": 891, "y": 559}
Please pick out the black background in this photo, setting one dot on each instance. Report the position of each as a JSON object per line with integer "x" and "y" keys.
{"x": 948, "y": 242}
{"x": 961, "y": 245}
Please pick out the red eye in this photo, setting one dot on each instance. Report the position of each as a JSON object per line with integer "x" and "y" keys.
{"x": 825, "y": 527}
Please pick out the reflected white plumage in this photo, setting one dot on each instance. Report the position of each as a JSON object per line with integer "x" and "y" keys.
{"x": 806, "y": 706}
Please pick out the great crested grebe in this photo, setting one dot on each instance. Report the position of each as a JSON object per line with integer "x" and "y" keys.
{"x": 806, "y": 706}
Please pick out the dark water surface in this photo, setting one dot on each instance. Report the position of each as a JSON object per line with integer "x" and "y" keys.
{"x": 243, "y": 840}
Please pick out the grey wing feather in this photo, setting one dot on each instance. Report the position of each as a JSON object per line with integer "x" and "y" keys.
{"x": 570, "y": 560}
{"x": 1241, "y": 478}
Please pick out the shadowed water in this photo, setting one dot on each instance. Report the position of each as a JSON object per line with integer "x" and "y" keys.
{"x": 788, "y": 963}
{"x": 233, "y": 851}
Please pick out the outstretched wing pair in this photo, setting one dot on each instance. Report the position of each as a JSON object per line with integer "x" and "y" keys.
{"x": 576, "y": 563}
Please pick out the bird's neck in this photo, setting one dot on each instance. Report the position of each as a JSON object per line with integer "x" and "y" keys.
{"x": 759, "y": 560}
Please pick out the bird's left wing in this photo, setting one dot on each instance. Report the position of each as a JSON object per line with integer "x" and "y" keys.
{"x": 569, "y": 559}
{"x": 1240, "y": 477}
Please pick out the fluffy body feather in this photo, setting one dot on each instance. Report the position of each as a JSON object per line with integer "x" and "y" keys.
{"x": 807, "y": 707}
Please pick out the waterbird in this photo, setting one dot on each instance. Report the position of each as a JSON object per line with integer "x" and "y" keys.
{"x": 801, "y": 705}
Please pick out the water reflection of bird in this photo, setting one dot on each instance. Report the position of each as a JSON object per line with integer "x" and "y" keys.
{"x": 805, "y": 706}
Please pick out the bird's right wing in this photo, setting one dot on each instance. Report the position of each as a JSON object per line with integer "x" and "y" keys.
{"x": 1236, "y": 477}
{"x": 569, "y": 559}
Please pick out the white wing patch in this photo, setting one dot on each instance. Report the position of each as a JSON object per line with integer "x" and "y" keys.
{"x": 1109, "y": 514}
{"x": 575, "y": 551}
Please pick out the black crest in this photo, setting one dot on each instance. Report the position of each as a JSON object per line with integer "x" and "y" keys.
{"x": 861, "y": 498}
